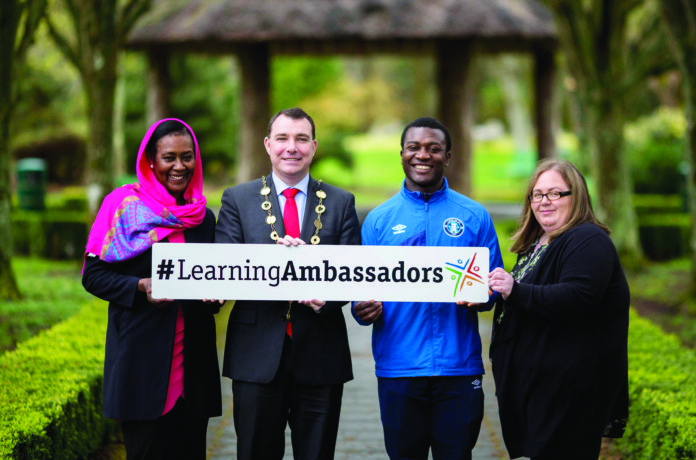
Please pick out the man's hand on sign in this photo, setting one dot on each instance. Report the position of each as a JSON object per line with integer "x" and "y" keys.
{"x": 290, "y": 241}
{"x": 314, "y": 303}
{"x": 466, "y": 304}
{"x": 368, "y": 311}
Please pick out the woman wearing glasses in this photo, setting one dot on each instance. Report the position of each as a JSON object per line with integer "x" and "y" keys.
{"x": 560, "y": 326}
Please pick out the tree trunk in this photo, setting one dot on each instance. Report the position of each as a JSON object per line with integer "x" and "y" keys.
{"x": 612, "y": 176}
{"x": 99, "y": 30}
{"x": 680, "y": 17}
{"x": 158, "y": 85}
{"x": 690, "y": 93}
{"x": 8, "y": 283}
{"x": 254, "y": 62}
{"x": 12, "y": 53}
{"x": 100, "y": 101}
{"x": 690, "y": 97}
{"x": 516, "y": 113}
{"x": 453, "y": 61}
{"x": 120, "y": 167}
{"x": 544, "y": 95}
{"x": 594, "y": 40}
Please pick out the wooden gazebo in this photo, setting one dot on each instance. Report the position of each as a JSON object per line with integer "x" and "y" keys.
{"x": 255, "y": 30}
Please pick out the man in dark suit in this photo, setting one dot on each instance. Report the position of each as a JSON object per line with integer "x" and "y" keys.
{"x": 288, "y": 360}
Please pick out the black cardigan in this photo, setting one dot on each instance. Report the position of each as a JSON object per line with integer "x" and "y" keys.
{"x": 559, "y": 353}
{"x": 140, "y": 339}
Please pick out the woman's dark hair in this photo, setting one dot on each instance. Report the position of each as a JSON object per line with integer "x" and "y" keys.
{"x": 164, "y": 129}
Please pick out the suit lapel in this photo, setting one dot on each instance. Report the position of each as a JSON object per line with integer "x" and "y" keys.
{"x": 275, "y": 210}
{"x": 309, "y": 212}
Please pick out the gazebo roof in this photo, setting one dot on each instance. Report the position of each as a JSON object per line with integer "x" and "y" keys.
{"x": 338, "y": 25}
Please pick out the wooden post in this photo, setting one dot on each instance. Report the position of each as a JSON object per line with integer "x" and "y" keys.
{"x": 544, "y": 81}
{"x": 158, "y": 85}
{"x": 453, "y": 62}
{"x": 254, "y": 62}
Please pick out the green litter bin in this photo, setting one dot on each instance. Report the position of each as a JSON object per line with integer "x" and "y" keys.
{"x": 31, "y": 184}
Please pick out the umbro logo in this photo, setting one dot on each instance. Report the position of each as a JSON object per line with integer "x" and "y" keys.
{"x": 476, "y": 384}
{"x": 399, "y": 229}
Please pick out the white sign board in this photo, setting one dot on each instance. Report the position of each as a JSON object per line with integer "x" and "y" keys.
{"x": 323, "y": 272}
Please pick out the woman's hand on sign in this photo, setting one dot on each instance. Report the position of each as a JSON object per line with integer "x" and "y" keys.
{"x": 288, "y": 240}
{"x": 314, "y": 303}
{"x": 145, "y": 285}
{"x": 500, "y": 281}
{"x": 368, "y": 311}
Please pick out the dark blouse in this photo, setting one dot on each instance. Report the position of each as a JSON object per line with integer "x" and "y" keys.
{"x": 559, "y": 345}
{"x": 140, "y": 339}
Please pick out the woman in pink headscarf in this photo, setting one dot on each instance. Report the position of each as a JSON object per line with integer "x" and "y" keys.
{"x": 161, "y": 374}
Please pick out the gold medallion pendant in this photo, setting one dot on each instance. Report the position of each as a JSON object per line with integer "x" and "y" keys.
{"x": 271, "y": 219}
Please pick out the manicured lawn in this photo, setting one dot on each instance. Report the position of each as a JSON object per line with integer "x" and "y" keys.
{"x": 52, "y": 292}
{"x": 376, "y": 173}
{"x": 660, "y": 293}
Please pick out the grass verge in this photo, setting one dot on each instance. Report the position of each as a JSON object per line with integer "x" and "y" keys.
{"x": 52, "y": 293}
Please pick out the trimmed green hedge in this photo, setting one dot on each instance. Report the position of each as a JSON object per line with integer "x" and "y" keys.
{"x": 665, "y": 236}
{"x": 52, "y": 292}
{"x": 662, "y": 382}
{"x": 51, "y": 391}
{"x": 646, "y": 204}
{"x": 49, "y": 234}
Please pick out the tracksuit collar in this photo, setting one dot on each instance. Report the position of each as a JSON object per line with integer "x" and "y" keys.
{"x": 420, "y": 197}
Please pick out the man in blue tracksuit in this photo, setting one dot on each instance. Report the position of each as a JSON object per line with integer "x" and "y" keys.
{"x": 427, "y": 354}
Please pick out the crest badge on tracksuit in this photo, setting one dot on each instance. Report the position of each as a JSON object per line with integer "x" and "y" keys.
{"x": 453, "y": 227}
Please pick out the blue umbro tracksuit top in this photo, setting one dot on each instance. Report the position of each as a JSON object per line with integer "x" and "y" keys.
{"x": 425, "y": 339}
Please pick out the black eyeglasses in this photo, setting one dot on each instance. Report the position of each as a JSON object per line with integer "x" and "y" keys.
{"x": 552, "y": 196}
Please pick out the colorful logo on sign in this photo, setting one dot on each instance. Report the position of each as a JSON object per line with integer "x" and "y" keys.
{"x": 464, "y": 273}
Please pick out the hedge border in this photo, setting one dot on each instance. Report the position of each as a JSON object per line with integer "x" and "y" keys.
{"x": 662, "y": 392}
{"x": 51, "y": 391}
{"x": 50, "y": 234}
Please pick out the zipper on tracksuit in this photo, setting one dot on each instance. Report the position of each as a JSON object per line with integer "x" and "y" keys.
{"x": 431, "y": 312}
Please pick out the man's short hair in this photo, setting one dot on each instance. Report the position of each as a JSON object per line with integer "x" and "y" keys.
{"x": 428, "y": 122}
{"x": 295, "y": 113}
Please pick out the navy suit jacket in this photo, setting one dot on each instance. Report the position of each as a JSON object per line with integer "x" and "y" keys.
{"x": 140, "y": 339}
{"x": 256, "y": 330}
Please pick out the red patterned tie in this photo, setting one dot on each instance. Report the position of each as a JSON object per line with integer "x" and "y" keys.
{"x": 291, "y": 221}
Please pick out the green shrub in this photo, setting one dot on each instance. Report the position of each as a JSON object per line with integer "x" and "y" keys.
{"x": 504, "y": 228}
{"x": 64, "y": 154}
{"x": 655, "y": 146}
{"x": 50, "y": 234}
{"x": 648, "y": 204}
{"x": 662, "y": 383}
{"x": 72, "y": 198}
{"x": 665, "y": 236}
{"x": 51, "y": 391}
{"x": 52, "y": 293}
